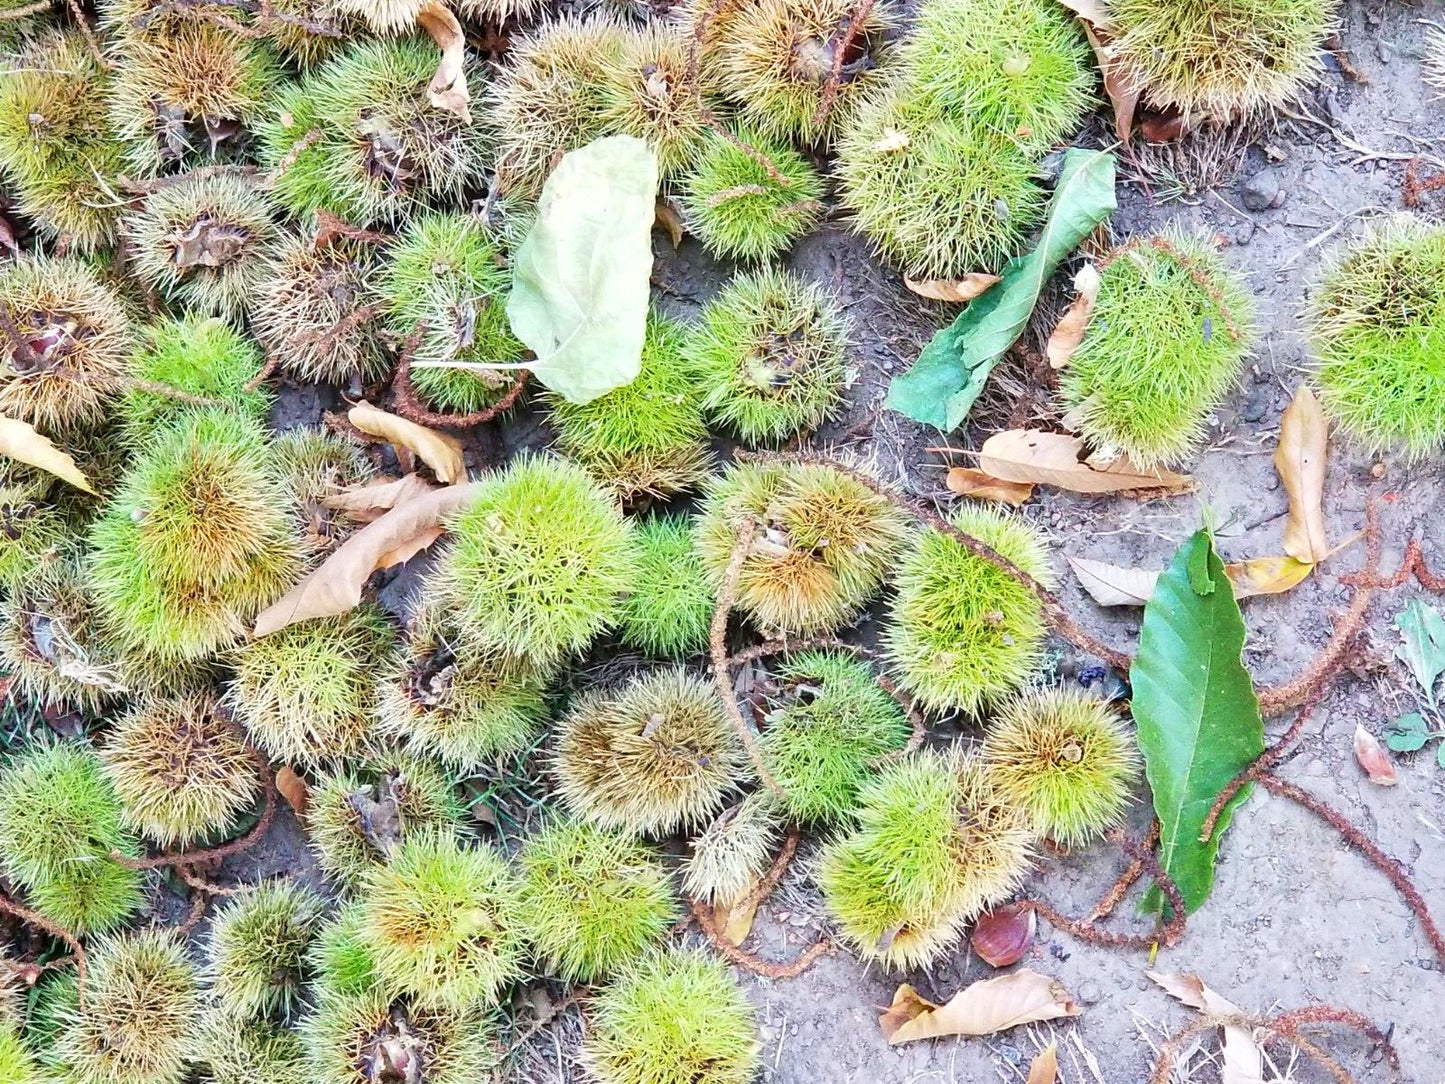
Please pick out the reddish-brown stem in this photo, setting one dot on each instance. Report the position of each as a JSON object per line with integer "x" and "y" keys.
{"x": 1287, "y": 1023}
{"x": 770, "y": 880}
{"x": 1120, "y": 888}
{"x": 24, "y": 914}
{"x": 756, "y": 964}
{"x": 410, "y": 407}
{"x": 268, "y": 370}
{"x": 224, "y": 850}
{"x": 840, "y": 52}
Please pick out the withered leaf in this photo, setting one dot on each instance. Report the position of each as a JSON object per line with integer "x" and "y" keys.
{"x": 1243, "y": 1060}
{"x": 365, "y": 503}
{"x": 1068, "y": 333}
{"x": 983, "y": 1008}
{"x": 405, "y": 550}
{"x": 1114, "y": 585}
{"x": 1045, "y": 1067}
{"x": 968, "y": 482}
{"x": 448, "y": 87}
{"x": 1300, "y": 461}
{"x": 20, "y": 441}
{"x": 1266, "y": 575}
{"x": 1091, "y": 11}
{"x": 293, "y": 788}
{"x": 440, "y": 452}
{"x": 1120, "y": 84}
{"x": 964, "y": 289}
{"x": 1371, "y": 757}
{"x": 1057, "y": 459}
{"x": 669, "y": 220}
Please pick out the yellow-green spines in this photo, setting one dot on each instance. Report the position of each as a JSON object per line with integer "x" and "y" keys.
{"x": 236, "y": 1050}
{"x": 939, "y": 192}
{"x": 1023, "y": 67}
{"x": 732, "y": 853}
{"x": 593, "y": 899}
{"x": 668, "y": 612}
{"x": 540, "y": 560}
{"x": 822, "y": 543}
{"x": 55, "y": 143}
{"x": 315, "y": 466}
{"x": 463, "y": 704}
{"x": 19, "y": 1060}
{"x": 445, "y": 280}
{"x": 657, "y": 756}
{"x": 308, "y": 692}
{"x": 828, "y": 723}
{"x": 196, "y": 541}
{"x": 1377, "y": 329}
{"x": 770, "y": 351}
{"x": 1203, "y": 58}
{"x": 442, "y": 923}
{"x": 673, "y": 1016}
{"x": 362, "y": 140}
{"x": 645, "y": 93}
{"x": 1064, "y": 759}
{"x": 180, "y": 768}
{"x": 964, "y": 632}
{"x": 34, "y": 534}
{"x": 140, "y": 1016}
{"x": 359, "y": 815}
{"x": 370, "y": 1037}
{"x": 341, "y": 962}
{"x": 196, "y": 354}
{"x": 647, "y": 438}
{"x": 68, "y": 322}
{"x": 1170, "y": 330}
{"x": 256, "y": 957}
{"x": 738, "y": 208}
{"x": 59, "y": 821}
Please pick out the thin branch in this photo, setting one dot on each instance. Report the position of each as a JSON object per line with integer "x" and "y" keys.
{"x": 840, "y": 53}
{"x": 26, "y": 11}
{"x": 756, "y": 964}
{"x": 410, "y": 407}
{"x": 60, "y": 933}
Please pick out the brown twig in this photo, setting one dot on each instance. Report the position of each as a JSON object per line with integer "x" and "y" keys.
{"x": 88, "y": 32}
{"x": 769, "y": 880}
{"x": 295, "y": 151}
{"x": 224, "y": 850}
{"x": 362, "y": 314}
{"x": 1414, "y": 186}
{"x": 756, "y": 964}
{"x": 155, "y": 184}
{"x": 1287, "y": 1023}
{"x": 199, "y": 902}
{"x": 840, "y": 52}
{"x": 268, "y": 370}
{"x": 737, "y": 191}
{"x": 410, "y": 407}
{"x": 1120, "y": 888}
{"x": 28, "y": 10}
{"x": 330, "y": 227}
{"x": 24, "y": 914}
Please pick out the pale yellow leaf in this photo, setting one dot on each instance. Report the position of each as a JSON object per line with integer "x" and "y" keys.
{"x": 440, "y": 452}
{"x": 1243, "y": 1061}
{"x": 964, "y": 289}
{"x": 1068, "y": 333}
{"x": 1300, "y": 460}
{"x": 293, "y": 788}
{"x": 968, "y": 482}
{"x": 1057, "y": 459}
{"x": 335, "y": 587}
{"x": 1045, "y": 1067}
{"x": 448, "y": 87}
{"x": 984, "y": 1008}
{"x": 1372, "y": 758}
{"x": 409, "y": 548}
{"x": 1091, "y": 11}
{"x": 364, "y": 503}
{"x": 1266, "y": 575}
{"x": 19, "y": 440}
{"x": 1114, "y": 585}
{"x": 669, "y": 219}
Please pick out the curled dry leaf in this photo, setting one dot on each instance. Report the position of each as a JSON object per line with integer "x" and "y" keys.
{"x": 365, "y": 503}
{"x": 448, "y": 87}
{"x": 1266, "y": 575}
{"x": 669, "y": 220}
{"x": 293, "y": 788}
{"x": 1300, "y": 460}
{"x": 968, "y": 482}
{"x": 964, "y": 289}
{"x": 980, "y": 1009}
{"x": 1057, "y": 459}
{"x": 1045, "y": 1067}
{"x": 1068, "y": 333}
{"x": 1113, "y": 585}
{"x": 409, "y": 548}
{"x": 336, "y": 585}
{"x": 1003, "y": 935}
{"x": 1092, "y": 12}
{"x": 19, "y": 440}
{"x": 1119, "y": 83}
{"x": 1243, "y": 1061}
{"x": 1371, "y": 756}
{"x": 442, "y": 453}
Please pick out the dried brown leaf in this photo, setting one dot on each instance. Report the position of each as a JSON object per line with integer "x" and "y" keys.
{"x": 365, "y": 503}
{"x": 1300, "y": 460}
{"x": 670, "y": 220}
{"x": 1266, "y": 575}
{"x": 336, "y": 585}
{"x": 964, "y": 289}
{"x": 983, "y": 1008}
{"x": 20, "y": 441}
{"x": 1057, "y": 459}
{"x": 440, "y": 452}
{"x": 1243, "y": 1061}
{"x": 1122, "y": 88}
{"x": 448, "y": 87}
{"x": 293, "y": 788}
{"x": 409, "y": 548}
{"x": 1091, "y": 11}
{"x": 1068, "y": 333}
{"x": 1045, "y": 1067}
{"x": 1113, "y": 585}
{"x": 1371, "y": 756}
{"x": 969, "y": 482}
{"x": 1003, "y": 935}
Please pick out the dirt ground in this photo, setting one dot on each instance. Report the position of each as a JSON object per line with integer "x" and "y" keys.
{"x": 1295, "y": 917}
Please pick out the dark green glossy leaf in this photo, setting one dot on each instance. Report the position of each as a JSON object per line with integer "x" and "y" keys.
{"x": 1423, "y": 631}
{"x": 1408, "y": 733}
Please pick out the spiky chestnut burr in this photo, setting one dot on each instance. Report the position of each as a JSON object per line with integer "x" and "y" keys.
{"x": 59, "y": 821}
{"x": 196, "y": 540}
{"x": 441, "y": 922}
{"x": 1170, "y": 331}
{"x": 963, "y": 632}
{"x": 21, "y": 1063}
{"x": 237, "y": 1050}
{"x": 141, "y": 1011}
{"x": 35, "y": 534}
{"x": 828, "y": 723}
{"x": 357, "y": 816}
{"x": 657, "y": 756}
{"x": 669, "y": 610}
{"x": 540, "y": 561}
{"x": 770, "y": 352}
{"x": 305, "y": 311}
{"x": 316, "y": 464}
{"x": 593, "y": 899}
{"x": 462, "y": 704}
{"x": 671, "y": 1016}
{"x": 644, "y": 92}
{"x": 55, "y": 143}
{"x": 361, "y": 140}
{"x": 939, "y": 192}
{"x": 731, "y": 854}
{"x": 71, "y": 346}
{"x": 308, "y": 693}
{"x": 1377, "y": 330}
{"x": 371, "y": 1038}
{"x": 824, "y": 543}
{"x": 1063, "y": 758}
{"x": 340, "y": 961}
{"x": 646, "y": 439}
{"x": 256, "y": 958}
{"x": 394, "y": 16}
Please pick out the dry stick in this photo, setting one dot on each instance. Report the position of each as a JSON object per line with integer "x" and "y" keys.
{"x": 1331, "y": 1066}
{"x": 1390, "y": 867}
{"x": 362, "y": 314}
{"x": 737, "y": 191}
{"x": 1120, "y": 888}
{"x": 88, "y": 32}
{"x": 155, "y": 184}
{"x": 1285, "y": 1026}
{"x": 410, "y": 407}
{"x": 1058, "y": 617}
{"x": 28, "y": 9}
{"x": 24, "y": 914}
{"x": 198, "y": 911}
{"x": 329, "y": 227}
{"x": 721, "y": 672}
{"x": 756, "y": 964}
{"x": 267, "y": 372}
{"x": 835, "y": 76}
{"x": 310, "y": 139}
{"x": 1288, "y": 1022}
{"x": 770, "y": 880}
{"x": 225, "y": 850}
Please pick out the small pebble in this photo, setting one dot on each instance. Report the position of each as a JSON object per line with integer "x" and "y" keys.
{"x": 1262, "y": 191}
{"x": 1089, "y": 993}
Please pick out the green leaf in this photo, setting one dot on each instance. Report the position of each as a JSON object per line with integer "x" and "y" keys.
{"x": 1440, "y": 754}
{"x": 1199, "y": 720}
{"x": 581, "y": 278}
{"x": 1423, "y": 630}
{"x": 941, "y": 387}
{"x": 1408, "y": 733}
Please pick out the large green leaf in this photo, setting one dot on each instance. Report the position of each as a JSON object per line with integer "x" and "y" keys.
{"x": 1199, "y": 720}
{"x": 581, "y": 278}
{"x": 941, "y": 387}
{"x": 1423, "y": 631}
